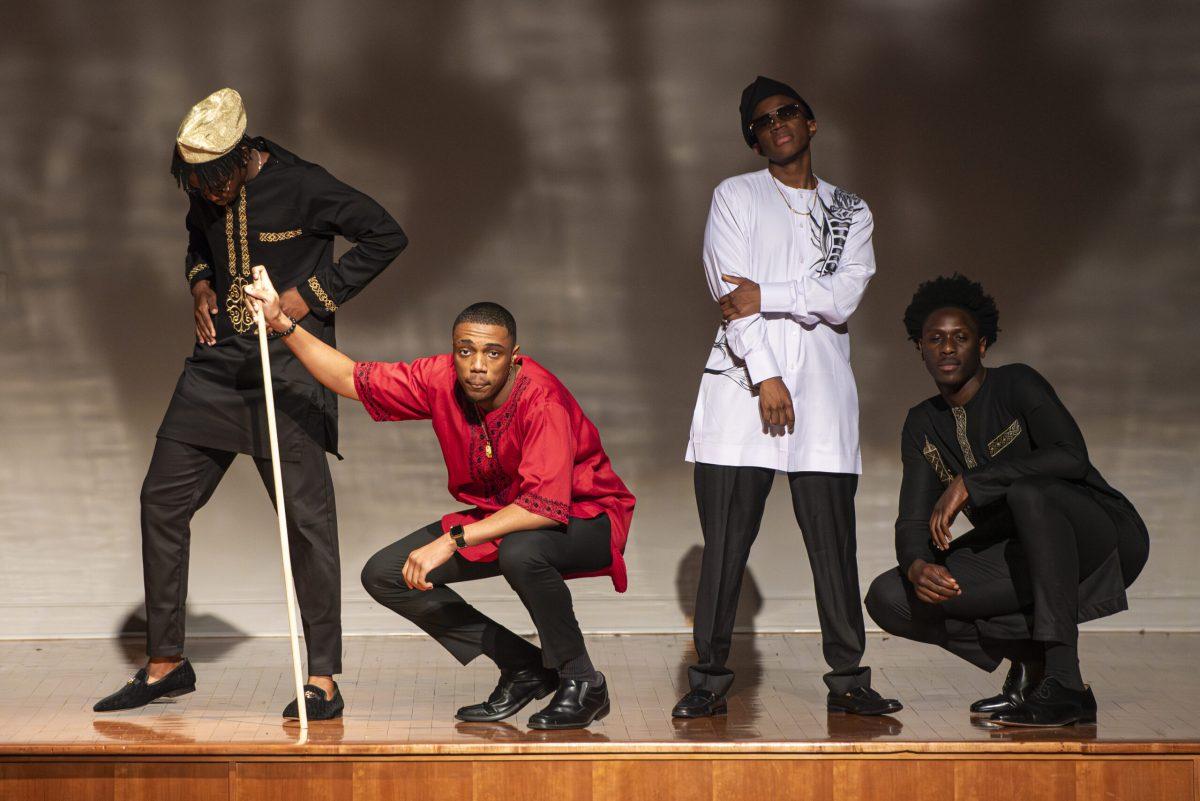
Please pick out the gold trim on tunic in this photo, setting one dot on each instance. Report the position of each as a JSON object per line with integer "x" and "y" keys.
{"x": 1005, "y": 438}
{"x": 196, "y": 270}
{"x": 960, "y": 431}
{"x": 235, "y": 300}
{"x": 278, "y": 236}
{"x": 319, "y": 291}
{"x": 934, "y": 457}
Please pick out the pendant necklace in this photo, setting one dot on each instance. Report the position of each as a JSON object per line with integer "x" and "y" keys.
{"x": 487, "y": 440}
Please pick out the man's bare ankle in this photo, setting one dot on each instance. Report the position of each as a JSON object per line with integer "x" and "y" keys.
{"x": 159, "y": 666}
{"x": 325, "y": 683}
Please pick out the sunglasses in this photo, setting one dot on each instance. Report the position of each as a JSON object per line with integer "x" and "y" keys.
{"x": 781, "y": 114}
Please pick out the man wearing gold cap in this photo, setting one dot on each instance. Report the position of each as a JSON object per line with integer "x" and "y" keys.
{"x": 252, "y": 203}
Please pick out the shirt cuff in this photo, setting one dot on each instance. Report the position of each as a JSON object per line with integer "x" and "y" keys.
{"x": 776, "y": 296}
{"x": 541, "y": 505}
{"x": 316, "y": 296}
{"x": 761, "y": 366}
{"x": 199, "y": 272}
{"x": 364, "y": 373}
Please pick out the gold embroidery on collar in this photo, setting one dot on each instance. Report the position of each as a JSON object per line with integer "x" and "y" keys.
{"x": 235, "y": 300}
{"x": 317, "y": 289}
{"x": 934, "y": 457}
{"x": 278, "y": 236}
{"x": 960, "y": 431}
{"x": 1005, "y": 438}
{"x": 196, "y": 270}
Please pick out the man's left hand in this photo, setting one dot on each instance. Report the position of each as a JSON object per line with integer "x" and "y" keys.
{"x": 292, "y": 304}
{"x": 945, "y": 510}
{"x": 743, "y": 301}
{"x": 425, "y": 559}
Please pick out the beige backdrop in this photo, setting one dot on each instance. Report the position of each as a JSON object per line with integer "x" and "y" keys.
{"x": 558, "y": 157}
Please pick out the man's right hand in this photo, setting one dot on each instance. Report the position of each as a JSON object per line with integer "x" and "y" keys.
{"x": 775, "y": 405}
{"x": 933, "y": 583}
{"x": 205, "y": 308}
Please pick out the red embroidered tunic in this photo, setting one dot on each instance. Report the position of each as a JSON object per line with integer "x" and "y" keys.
{"x": 546, "y": 454}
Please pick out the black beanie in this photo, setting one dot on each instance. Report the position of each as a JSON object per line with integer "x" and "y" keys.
{"x": 762, "y": 88}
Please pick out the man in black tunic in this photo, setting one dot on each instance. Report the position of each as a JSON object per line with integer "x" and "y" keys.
{"x": 252, "y": 202}
{"x": 1053, "y": 545}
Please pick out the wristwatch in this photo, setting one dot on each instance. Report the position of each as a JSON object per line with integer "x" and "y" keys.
{"x": 459, "y": 536}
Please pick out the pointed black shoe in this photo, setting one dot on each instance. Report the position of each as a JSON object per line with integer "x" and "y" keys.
{"x": 319, "y": 707}
{"x": 138, "y": 691}
{"x": 862, "y": 701}
{"x": 1021, "y": 679}
{"x": 515, "y": 689}
{"x": 1051, "y": 705}
{"x": 700, "y": 704}
{"x": 574, "y": 706}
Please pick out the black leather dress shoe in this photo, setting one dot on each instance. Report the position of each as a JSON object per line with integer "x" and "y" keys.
{"x": 862, "y": 701}
{"x": 1049, "y": 705}
{"x": 1022, "y": 678}
{"x": 139, "y": 691}
{"x": 512, "y": 693}
{"x": 700, "y": 704}
{"x": 575, "y": 705}
{"x": 319, "y": 707}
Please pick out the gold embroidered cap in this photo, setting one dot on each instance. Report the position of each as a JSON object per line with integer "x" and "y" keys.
{"x": 212, "y": 128}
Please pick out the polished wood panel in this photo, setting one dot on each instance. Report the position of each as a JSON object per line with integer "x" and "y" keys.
{"x": 1134, "y": 780}
{"x": 57, "y": 781}
{"x": 1007, "y": 780}
{"x": 532, "y": 780}
{"x": 290, "y": 781}
{"x": 1065, "y": 778}
{"x": 172, "y": 781}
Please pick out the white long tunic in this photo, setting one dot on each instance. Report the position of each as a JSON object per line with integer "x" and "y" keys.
{"x": 813, "y": 268}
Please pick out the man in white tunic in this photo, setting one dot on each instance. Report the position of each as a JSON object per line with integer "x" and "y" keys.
{"x": 788, "y": 257}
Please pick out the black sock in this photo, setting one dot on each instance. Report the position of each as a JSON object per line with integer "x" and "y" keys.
{"x": 579, "y": 668}
{"x": 1062, "y": 662}
{"x": 509, "y": 651}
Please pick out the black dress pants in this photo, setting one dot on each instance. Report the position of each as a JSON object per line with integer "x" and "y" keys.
{"x": 180, "y": 480}
{"x": 1028, "y": 560}
{"x": 731, "y": 501}
{"x": 533, "y": 564}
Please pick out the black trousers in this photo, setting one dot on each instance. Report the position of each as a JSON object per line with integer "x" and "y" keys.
{"x": 533, "y": 564}
{"x": 1029, "y": 560}
{"x": 731, "y": 502}
{"x": 180, "y": 480}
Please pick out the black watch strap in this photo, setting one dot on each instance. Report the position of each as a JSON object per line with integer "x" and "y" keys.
{"x": 459, "y": 536}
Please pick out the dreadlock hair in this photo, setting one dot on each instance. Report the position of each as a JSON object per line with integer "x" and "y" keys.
{"x": 215, "y": 173}
{"x": 488, "y": 313}
{"x": 958, "y": 292}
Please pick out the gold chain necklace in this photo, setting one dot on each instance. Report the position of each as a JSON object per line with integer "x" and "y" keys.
{"x": 812, "y": 205}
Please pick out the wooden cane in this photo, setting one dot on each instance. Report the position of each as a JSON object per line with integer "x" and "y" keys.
{"x": 288, "y": 584}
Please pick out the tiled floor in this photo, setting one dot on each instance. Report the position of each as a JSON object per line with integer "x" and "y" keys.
{"x": 404, "y": 691}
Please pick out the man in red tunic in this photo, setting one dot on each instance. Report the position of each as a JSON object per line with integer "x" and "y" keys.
{"x": 545, "y": 505}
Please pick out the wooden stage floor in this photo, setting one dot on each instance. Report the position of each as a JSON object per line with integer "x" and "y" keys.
{"x": 401, "y": 694}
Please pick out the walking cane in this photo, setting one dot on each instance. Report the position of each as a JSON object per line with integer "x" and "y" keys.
{"x": 288, "y": 584}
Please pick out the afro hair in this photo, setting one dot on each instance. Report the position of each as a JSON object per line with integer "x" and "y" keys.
{"x": 958, "y": 292}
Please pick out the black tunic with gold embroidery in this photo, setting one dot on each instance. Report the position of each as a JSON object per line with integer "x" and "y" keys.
{"x": 284, "y": 219}
{"x": 1015, "y": 426}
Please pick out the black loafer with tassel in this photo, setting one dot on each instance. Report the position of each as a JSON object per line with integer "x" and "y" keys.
{"x": 140, "y": 691}
{"x": 318, "y": 706}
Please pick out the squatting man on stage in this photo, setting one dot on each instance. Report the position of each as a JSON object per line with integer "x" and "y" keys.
{"x": 546, "y": 505}
{"x": 253, "y": 202}
{"x": 1053, "y": 545}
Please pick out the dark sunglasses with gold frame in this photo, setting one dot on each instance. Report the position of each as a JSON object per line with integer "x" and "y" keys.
{"x": 782, "y": 114}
